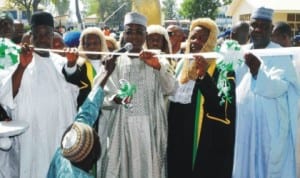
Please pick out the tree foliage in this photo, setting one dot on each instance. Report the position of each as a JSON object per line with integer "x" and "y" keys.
{"x": 62, "y": 6}
{"x": 192, "y": 9}
{"x": 169, "y": 9}
{"x": 106, "y": 10}
{"x": 226, "y": 2}
{"x": 93, "y": 6}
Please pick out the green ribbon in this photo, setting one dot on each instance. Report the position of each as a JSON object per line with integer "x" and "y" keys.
{"x": 9, "y": 53}
{"x": 232, "y": 58}
{"x": 126, "y": 90}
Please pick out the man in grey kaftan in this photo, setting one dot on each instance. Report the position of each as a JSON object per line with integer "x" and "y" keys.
{"x": 137, "y": 135}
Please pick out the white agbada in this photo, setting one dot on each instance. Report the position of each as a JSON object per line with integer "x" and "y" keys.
{"x": 137, "y": 136}
{"x": 266, "y": 119}
{"x": 48, "y": 103}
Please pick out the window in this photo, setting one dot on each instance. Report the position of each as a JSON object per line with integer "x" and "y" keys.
{"x": 24, "y": 15}
{"x": 290, "y": 17}
{"x": 13, "y": 13}
{"x": 294, "y": 22}
{"x": 298, "y": 17}
{"x": 245, "y": 17}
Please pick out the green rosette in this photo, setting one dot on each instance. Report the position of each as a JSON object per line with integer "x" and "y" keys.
{"x": 231, "y": 58}
{"x": 9, "y": 53}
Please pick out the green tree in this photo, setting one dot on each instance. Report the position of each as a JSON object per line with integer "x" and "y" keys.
{"x": 169, "y": 9}
{"x": 109, "y": 11}
{"x": 62, "y": 6}
{"x": 192, "y": 9}
{"x": 93, "y": 7}
{"x": 226, "y": 2}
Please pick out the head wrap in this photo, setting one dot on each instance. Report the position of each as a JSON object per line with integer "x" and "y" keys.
{"x": 135, "y": 18}
{"x": 151, "y": 29}
{"x": 42, "y": 18}
{"x": 262, "y": 13}
{"x": 78, "y": 142}
{"x": 71, "y": 38}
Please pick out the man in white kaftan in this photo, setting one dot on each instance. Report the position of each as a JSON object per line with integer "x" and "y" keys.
{"x": 137, "y": 135}
{"x": 43, "y": 98}
{"x": 267, "y": 107}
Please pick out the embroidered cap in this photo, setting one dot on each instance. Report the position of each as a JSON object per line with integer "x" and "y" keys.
{"x": 135, "y": 18}
{"x": 78, "y": 142}
{"x": 262, "y": 13}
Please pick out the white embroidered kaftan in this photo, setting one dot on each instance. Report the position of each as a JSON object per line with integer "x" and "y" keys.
{"x": 137, "y": 136}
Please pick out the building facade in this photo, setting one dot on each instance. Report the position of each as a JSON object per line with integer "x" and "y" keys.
{"x": 287, "y": 11}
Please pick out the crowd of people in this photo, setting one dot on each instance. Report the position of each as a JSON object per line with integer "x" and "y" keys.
{"x": 161, "y": 109}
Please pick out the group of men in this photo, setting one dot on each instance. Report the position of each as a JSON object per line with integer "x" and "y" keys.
{"x": 218, "y": 121}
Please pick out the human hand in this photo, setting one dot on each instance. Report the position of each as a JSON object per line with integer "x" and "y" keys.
{"x": 253, "y": 63}
{"x": 25, "y": 55}
{"x": 201, "y": 66}
{"x": 109, "y": 63}
{"x": 123, "y": 101}
{"x": 71, "y": 55}
{"x": 149, "y": 58}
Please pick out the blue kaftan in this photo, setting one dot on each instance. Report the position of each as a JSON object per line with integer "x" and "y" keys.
{"x": 61, "y": 167}
{"x": 266, "y": 119}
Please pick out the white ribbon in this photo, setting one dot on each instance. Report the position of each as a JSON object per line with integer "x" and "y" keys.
{"x": 207, "y": 55}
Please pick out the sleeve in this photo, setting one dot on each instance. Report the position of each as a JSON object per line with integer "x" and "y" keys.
{"x": 166, "y": 77}
{"x": 89, "y": 110}
{"x": 6, "y": 90}
{"x": 278, "y": 76}
{"x": 73, "y": 77}
{"x": 111, "y": 89}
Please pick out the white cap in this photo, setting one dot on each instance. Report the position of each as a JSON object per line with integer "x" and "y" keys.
{"x": 135, "y": 18}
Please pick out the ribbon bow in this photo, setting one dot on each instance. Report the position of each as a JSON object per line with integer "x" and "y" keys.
{"x": 231, "y": 59}
{"x": 126, "y": 92}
